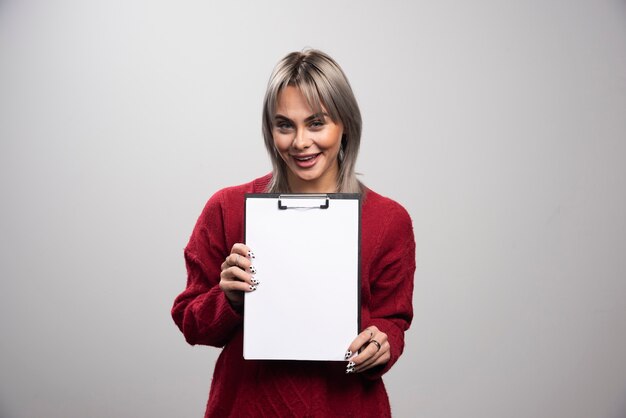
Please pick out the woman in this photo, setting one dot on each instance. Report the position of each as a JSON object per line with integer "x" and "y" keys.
{"x": 312, "y": 130}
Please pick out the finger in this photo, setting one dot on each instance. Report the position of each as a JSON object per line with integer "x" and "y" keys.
{"x": 240, "y": 256}
{"x": 237, "y": 274}
{"x": 235, "y": 286}
{"x": 224, "y": 265}
{"x": 237, "y": 260}
{"x": 242, "y": 249}
{"x": 380, "y": 361}
{"x": 367, "y": 354}
{"x": 361, "y": 339}
{"x": 382, "y": 356}
{"x": 373, "y": 352}
{"x": 235, "y": 279}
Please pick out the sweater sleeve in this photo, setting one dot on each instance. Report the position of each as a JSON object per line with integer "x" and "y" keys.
{"x": 391, "y": 306}
{"x": 202, "y": 311}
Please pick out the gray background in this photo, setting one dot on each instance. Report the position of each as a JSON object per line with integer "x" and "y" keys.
{"x": 499, "y": 125}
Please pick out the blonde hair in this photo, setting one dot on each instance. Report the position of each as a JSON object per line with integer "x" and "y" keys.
{"x": 322, "y": 83}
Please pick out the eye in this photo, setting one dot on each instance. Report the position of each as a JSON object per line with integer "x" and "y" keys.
{"x": 316, "y": 123}
{"x": 283, "y": 125}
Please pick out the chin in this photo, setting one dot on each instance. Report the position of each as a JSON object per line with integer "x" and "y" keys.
{"x": 311, "y": 177}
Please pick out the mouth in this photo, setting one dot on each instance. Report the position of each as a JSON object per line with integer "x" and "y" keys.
{"x": 306, "y": 161}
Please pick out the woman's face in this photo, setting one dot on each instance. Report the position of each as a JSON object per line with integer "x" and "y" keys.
{"x": 308, "y": 143}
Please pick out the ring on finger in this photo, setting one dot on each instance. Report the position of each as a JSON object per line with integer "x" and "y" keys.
{"x": 376, "y": 343}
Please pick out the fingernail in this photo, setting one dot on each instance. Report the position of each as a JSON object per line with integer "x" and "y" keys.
{"x": 348, "y": 354}
{"x": 252, "y": 269}
{"x": 348, "y": 371}
{"x": 252, "y": 287}
{"x": 350, "y": 365}
{"x": 250, "y": 254}
{"x": 255, "y": 281}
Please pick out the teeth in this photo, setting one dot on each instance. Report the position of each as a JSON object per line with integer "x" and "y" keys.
{"x": 305, "y": 158}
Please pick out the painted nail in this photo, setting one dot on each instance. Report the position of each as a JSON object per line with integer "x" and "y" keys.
{"x": 350, "y": 365}
{"x": 253, "y": 270}
{"x": 251, "y": 254}
{"x": 348, "y": 371}
{"x": 252, "y": 287}
{"x": 348, "y": 354}
{"x": 255, "y": 281}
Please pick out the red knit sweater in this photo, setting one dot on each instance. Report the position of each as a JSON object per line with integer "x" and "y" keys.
{"x": 252, "y": 388}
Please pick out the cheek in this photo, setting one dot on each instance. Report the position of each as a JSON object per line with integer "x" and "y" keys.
{"x": 332, "y": 141}
{"x": 281, "y": 142}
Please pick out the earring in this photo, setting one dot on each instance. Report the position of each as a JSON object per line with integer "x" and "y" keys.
{"x": 342, "y": 147}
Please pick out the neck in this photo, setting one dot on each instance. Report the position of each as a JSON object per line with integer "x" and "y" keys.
{"x": 324, "y": 184}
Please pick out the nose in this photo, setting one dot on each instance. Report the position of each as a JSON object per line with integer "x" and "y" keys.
{"x": 301, "y": 140}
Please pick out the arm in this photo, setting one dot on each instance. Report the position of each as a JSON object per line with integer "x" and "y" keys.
{"x": 391, "y": 307}
{"x": 202, "y": 311}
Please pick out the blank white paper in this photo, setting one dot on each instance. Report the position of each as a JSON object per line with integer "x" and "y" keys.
{"x": 306, "y": 306}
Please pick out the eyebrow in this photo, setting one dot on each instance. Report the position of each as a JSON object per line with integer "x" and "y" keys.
{"x": 309, "y": 119}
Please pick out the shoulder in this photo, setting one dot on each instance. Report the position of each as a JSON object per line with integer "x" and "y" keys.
{"x": 386, "y": 225}
{"x": 387, "y": 230}
{"x": 384, "y": 210}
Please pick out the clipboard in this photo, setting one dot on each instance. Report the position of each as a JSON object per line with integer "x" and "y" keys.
{"x": 307, "y": 257}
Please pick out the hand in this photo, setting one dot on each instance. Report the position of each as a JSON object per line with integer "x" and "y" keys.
{"x": 372, "y": 350}
{"x": 237, "y": 274}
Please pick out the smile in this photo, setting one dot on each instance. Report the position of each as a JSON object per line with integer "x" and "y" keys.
{"x": 306, "y": 161}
